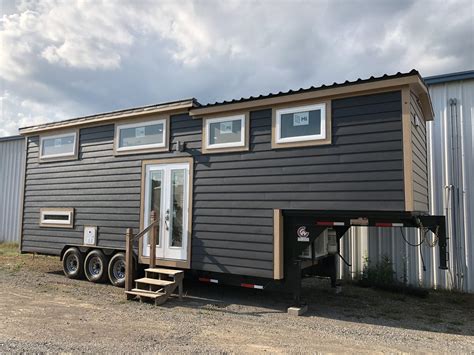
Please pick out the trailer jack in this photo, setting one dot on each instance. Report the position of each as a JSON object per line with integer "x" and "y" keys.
{"x": 302, "y": 228}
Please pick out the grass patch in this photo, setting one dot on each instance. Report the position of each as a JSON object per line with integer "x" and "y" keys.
{"x": 9, "y": 249}
{"x": 382, "y": 276}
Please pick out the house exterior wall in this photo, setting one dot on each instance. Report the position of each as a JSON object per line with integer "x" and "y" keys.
{"x": 419, "y": 161}
{"x": 234, "y": 194}
{"x": 450, "y": 162}
{"x": 12, "y": 158}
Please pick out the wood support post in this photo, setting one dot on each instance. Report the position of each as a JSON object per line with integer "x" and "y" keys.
{"x": 153, "y": 241}
{"x": 129, "y": 260}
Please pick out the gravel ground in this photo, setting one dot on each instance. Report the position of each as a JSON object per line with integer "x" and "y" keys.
{"x": 42, "y": 311}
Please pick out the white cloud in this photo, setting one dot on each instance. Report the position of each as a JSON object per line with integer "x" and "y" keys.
{"x": 18, "y": 112}
{"x": 62, "y": 58}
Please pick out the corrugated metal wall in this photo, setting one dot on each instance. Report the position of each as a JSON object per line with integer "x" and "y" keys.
{"x": 11, "y": 177}
{"x": 451, "y": 164}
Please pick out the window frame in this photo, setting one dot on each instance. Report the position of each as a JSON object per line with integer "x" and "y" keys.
{"x": 242, "y": 145}
{"x": 57, "y": 224}
{"x": 155, "y": 147}
{"x": 61, "y": 156}
{"x": 301, "y": 141}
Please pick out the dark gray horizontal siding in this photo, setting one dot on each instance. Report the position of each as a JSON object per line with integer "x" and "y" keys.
{"x": 234, "y": 193}
{"x": 361, "y": 170}
{"x": 420, "y": 165}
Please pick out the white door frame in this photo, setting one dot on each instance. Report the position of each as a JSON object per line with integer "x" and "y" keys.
{"x": 166, "y": 254}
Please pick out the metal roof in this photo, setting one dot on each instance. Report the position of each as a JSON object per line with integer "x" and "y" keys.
{"x": 192, "y": 102}
{"x": 312, "y": 88}
{"x": 11, "y": 138}
{"x": 444, "y": 78}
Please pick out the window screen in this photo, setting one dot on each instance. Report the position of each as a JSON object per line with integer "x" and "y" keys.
{"x": 58, "y": 145}
{"x": 141, "y": 135}
{"x": 225, "y": 132}
{"x": 299, "y": 124}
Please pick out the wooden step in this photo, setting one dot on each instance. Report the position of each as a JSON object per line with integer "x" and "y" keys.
{"x": 144, "y": 293}
{"x": 164, "y": 271}
{"x": 156, "y": 282}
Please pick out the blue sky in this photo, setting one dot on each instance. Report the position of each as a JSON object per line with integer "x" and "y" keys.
{"x": 62, "y": 59}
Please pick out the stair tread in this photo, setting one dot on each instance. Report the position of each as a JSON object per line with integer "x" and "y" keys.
{"x": 149, "y": 281}
{"x": 164, "y": 271}
{"x": 144, "y": 293}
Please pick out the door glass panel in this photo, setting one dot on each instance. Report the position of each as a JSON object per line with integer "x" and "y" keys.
{"x": 177, "y": 207}
{"x": 155, "y": 205}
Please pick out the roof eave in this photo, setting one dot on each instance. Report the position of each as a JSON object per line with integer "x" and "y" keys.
{"x": 173, "y": 107}
{"x": 357, "y": 88}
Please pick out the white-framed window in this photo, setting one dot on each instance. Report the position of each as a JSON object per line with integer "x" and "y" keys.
{"x": 58, "y": 146}
{"x": 141, "y": 135}
{"x": 300, "y": 124}
{"x": 225, "y": 132}
{"x": 57, "y": 217}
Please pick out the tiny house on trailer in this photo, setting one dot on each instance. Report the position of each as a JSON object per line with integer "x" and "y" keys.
{"x": 253, "y": 191}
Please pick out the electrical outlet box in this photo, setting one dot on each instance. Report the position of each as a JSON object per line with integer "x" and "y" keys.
{"x": 90, "y": 235}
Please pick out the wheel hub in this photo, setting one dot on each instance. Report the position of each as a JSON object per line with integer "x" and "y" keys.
{"x": 72, "y": 263}
{"x": 95, "y": 266}
{"x": 119, "y": 270}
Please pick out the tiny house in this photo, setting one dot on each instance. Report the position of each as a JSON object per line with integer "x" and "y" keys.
{"x": 241, "y": 189}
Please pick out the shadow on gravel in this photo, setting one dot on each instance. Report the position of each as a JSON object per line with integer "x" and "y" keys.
{"x": 441, "y": 311}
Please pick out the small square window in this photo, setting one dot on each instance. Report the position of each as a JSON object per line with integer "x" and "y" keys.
{"x": 57, "y": 217}
{"x": 305, "y": 124}
{"x": 225, "y": 133}
{"x": 58, "y": 146}
{"x": 143, "y": 135}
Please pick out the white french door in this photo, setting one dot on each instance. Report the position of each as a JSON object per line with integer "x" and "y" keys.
{"x": 167, "y": 193}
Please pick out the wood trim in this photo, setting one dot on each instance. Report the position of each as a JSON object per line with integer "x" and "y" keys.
{"x": 65, "y": 158}
{"x": 171, "y": 110}
{"x": 166, "y": 262}
{"x": 278, "y": 245}
{"x": 22, "y": 194}
{"x": 62, "y": 209}
{"x": 407, "y": 149}
{"x": 307, "y": 143}
{"x": 332, "y": 93}
{"x": 166, "y": 148}
{"x": 245, "y": 147}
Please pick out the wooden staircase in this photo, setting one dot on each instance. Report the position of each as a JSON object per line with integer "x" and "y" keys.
{"x": 157, "y": 285}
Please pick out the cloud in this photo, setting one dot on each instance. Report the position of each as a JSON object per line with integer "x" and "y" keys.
{"x": 61, "y": 59}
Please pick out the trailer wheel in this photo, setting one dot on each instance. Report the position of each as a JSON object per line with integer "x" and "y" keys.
{"x": 73, "y": 264}
{"x": 116, "y": 270}
{"x": 95, "y": 266}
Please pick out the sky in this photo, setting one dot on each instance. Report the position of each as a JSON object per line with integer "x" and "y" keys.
{"x": 65, "y": 59}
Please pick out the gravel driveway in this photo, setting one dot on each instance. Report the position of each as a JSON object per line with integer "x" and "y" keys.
{"x": 42, "y": 311}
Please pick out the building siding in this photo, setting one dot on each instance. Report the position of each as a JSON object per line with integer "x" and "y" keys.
{"x": 450, "y": 157}
{"x": 234, "y": 193}
{"x": 12, "y": 161}
{"x": 419, "y": 163}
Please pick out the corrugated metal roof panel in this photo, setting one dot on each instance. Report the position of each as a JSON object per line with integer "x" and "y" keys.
{"x": 313, "y": 88}
{"x": 445, "y": 78}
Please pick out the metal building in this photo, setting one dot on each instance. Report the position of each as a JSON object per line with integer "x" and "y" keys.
{"x": 451, "y": 167}
{"x": 12, "y": 160}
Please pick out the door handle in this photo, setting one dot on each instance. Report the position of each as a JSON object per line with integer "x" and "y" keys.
{"x": 167, "y": 218}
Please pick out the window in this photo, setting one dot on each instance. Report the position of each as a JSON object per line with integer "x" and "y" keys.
{"x": 56, "y": 217}
{"x": 150, "y": 135}
{"x": 60, "y": 146}
{"x": 301, "y": 126}
{"x": 225, "y": 133}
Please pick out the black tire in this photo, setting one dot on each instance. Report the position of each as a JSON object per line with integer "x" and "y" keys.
{"x": 116, "y": 270}
{"x": 73, "y": 264}
{"x": 95, "y": 266}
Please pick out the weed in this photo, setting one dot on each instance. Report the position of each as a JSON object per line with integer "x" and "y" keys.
{"x": 380, "y": 274}
{"x": 8, "y": 249}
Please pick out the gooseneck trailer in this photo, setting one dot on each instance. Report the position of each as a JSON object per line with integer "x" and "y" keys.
{"x": 255, "y": 191}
